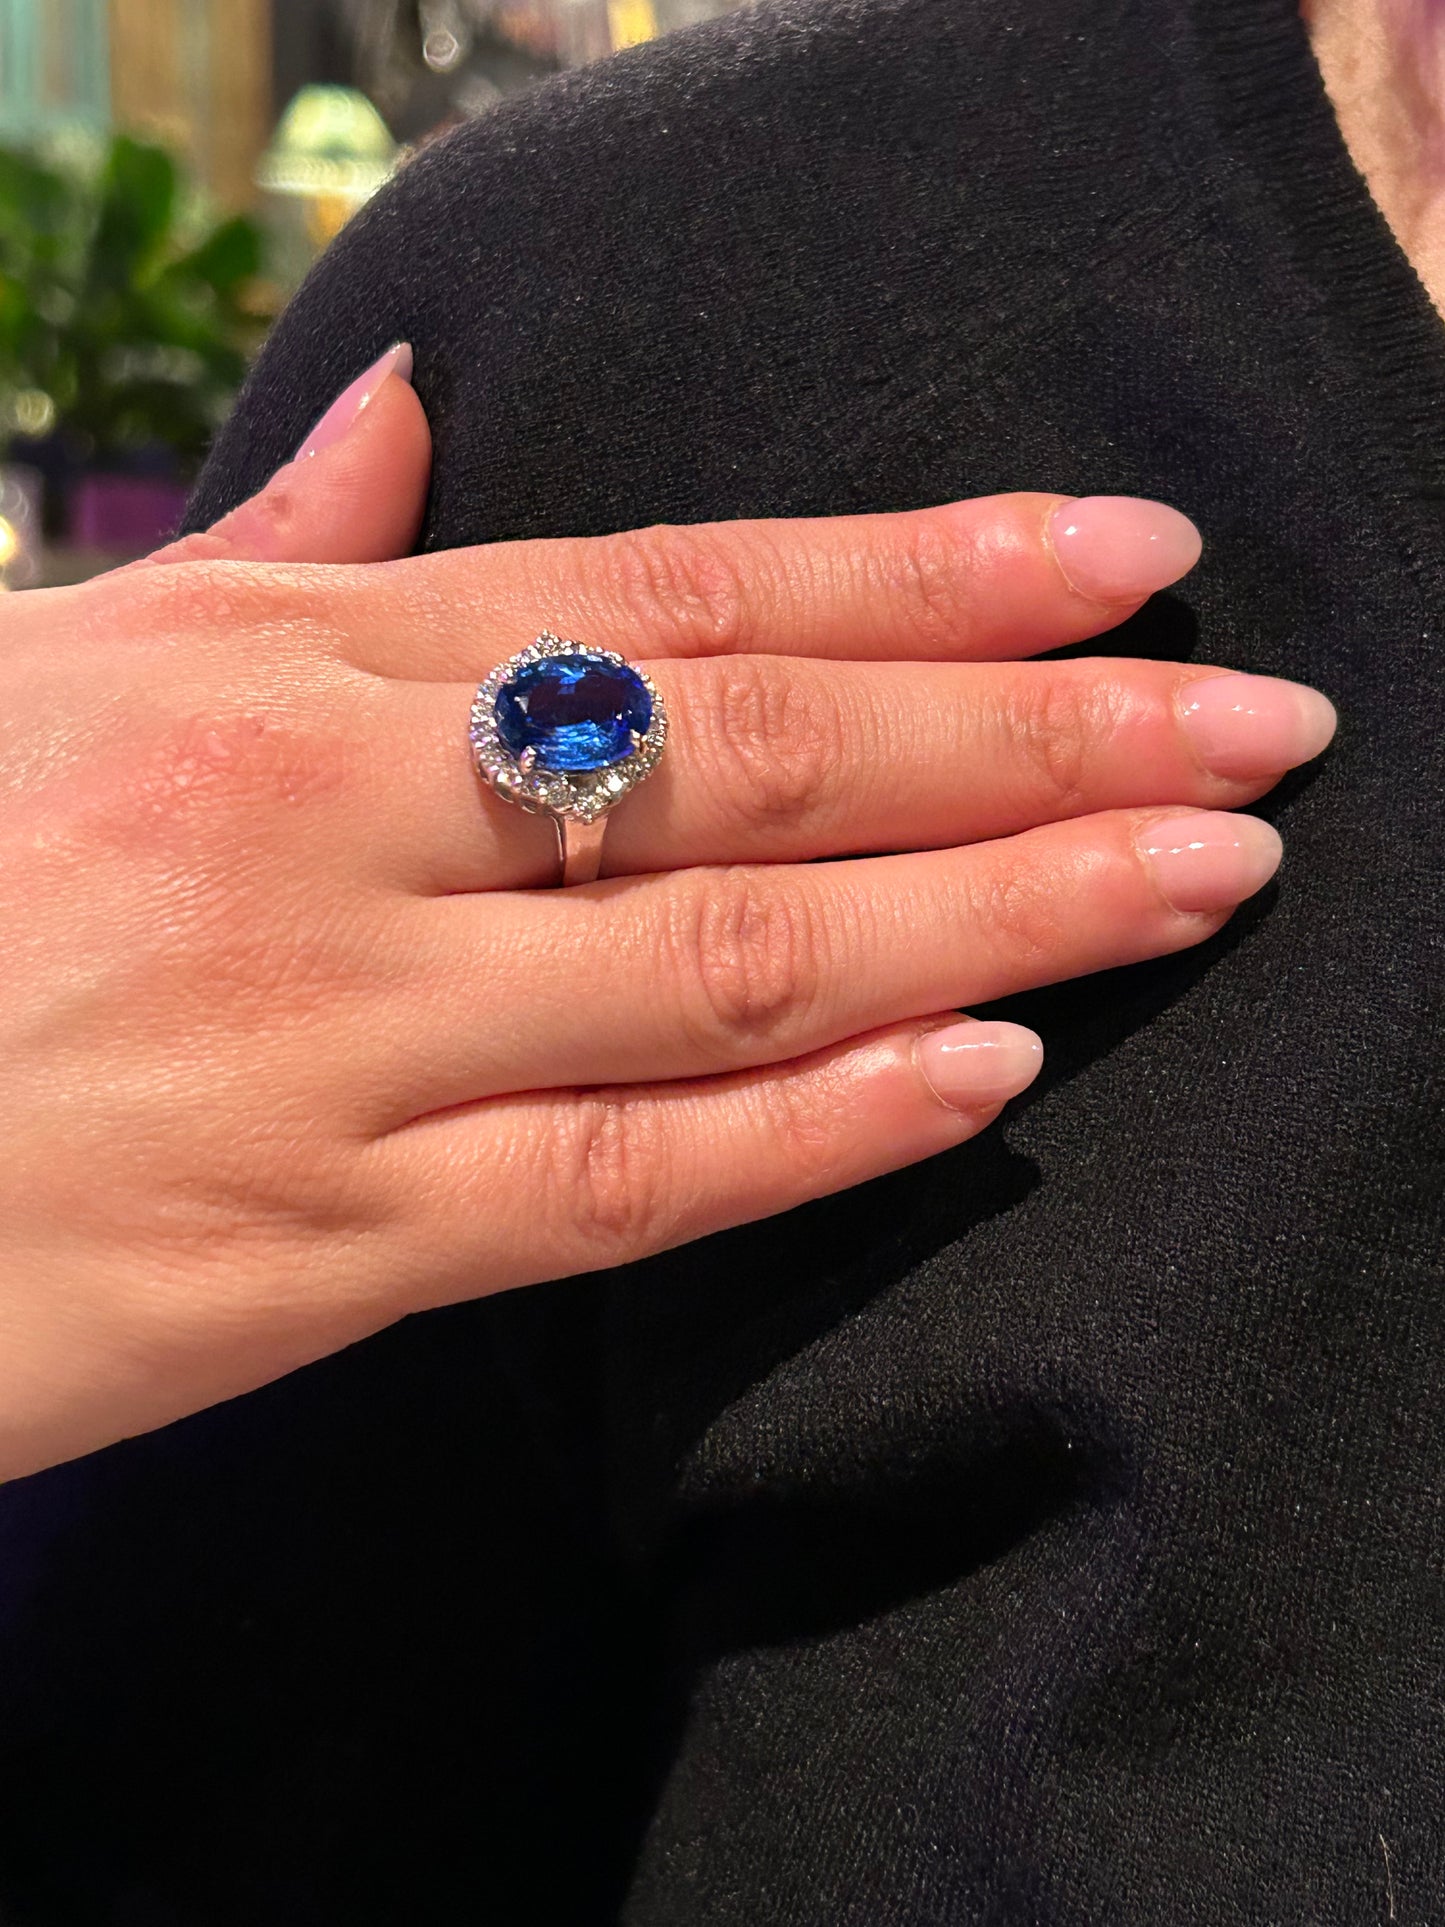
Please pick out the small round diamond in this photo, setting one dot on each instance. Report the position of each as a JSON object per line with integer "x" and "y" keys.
{"x": 579, "y": 711}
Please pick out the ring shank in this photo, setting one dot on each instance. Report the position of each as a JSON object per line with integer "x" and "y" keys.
{"x": 579, "y": 848}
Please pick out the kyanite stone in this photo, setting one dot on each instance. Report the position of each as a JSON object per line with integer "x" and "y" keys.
{"x": 577, "y": 712}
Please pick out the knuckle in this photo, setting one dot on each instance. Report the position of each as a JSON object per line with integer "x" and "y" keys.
{"x": 271, "y": 1184}
{"x": 929, "y": 575}
{"x": 611, "y": 1166}
{"x": 212, "y": 609}
{"x": 196, "y": 817}
{"x": 219, "y": 762}
{"x": 213, "y": 1178}
{"x": 774, "y": 738}
{"x": 744, "y": 955}
{"x": 795, "y": 1121}
{"x": 188, "y": 597}
{"x": 245, "y": 952}
{"x": 261, "y": 1237}
{"x": 1058, "y": 723}
{"x": 1023, "y": 915}
{"x": 685, "y": 584}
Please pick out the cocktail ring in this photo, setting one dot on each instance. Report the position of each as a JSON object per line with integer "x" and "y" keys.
{"x": 566, "y": 731}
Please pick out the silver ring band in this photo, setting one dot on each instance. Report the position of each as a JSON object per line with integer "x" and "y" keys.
{"x": 579, "y": 850}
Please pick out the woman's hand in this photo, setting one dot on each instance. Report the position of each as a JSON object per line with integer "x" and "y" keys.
{"x": 291, "y": 1044}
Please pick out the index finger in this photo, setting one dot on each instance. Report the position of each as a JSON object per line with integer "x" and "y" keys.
{"x": 990, "y": 578}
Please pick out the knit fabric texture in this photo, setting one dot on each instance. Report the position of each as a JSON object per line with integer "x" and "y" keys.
{"x": 1053, "y": 1534}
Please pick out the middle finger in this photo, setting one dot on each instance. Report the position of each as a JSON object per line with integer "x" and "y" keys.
{"x": 704, "y": 971}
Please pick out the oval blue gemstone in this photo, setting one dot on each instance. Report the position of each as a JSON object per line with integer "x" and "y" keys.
{"x": 577, "y": 712}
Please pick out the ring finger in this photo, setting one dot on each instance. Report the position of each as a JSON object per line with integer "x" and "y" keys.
{"x": 775, "y": 759}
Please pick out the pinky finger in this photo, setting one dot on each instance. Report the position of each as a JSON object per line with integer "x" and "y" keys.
{"x": 545, "y": 1185}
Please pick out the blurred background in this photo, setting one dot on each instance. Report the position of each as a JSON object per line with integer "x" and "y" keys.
{"x": 169, "y": 169}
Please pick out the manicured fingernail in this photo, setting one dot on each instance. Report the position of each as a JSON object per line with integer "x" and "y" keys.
{"x": 1121, "y": 548}
{"x": 342, "y": 413}
{"x": 1250, "y": 726}
{"x": 973, "y": 1067}
{"x": 1210, "y": 860}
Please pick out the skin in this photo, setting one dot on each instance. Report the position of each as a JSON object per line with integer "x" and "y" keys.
{"x": 293, "y": 1048}
{"x": 1383, "y": 65}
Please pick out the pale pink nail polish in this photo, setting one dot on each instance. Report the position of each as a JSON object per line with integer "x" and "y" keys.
{"x": 1210, "y": 860}
{"x": 1252, "y": 726}
{"x": 343, "y": 412}
{"x": 974, "y": 1067}
{"x": 1121, "y": 548}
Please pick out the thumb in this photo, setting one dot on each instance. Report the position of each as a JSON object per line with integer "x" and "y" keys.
{"x": 354, "y": 491}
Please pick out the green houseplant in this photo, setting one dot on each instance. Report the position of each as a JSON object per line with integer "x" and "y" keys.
{"x": 125, "y": 327}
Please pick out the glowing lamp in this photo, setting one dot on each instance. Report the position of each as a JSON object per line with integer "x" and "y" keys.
{"x": 332, "y": 149}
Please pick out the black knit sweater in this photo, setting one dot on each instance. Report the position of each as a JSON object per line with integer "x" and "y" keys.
{"x": 1052, "y": 1535}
